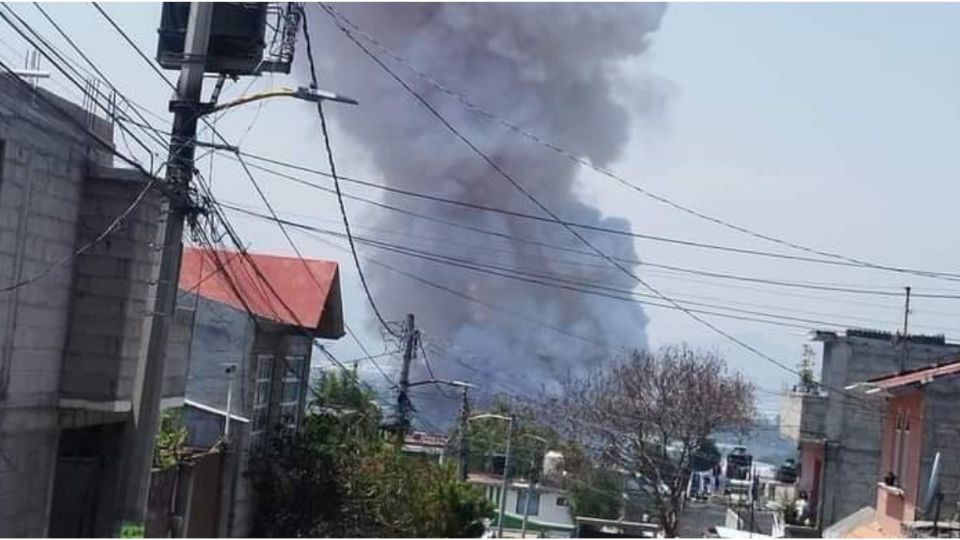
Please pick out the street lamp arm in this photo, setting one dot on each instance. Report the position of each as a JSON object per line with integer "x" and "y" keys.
{"x": 302, "y": 93}
{"x": 456, "y": 384}
{"x": 491, "y": 415}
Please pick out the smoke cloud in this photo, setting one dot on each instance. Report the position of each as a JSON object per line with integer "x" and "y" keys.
{"x": 550, "y": 68}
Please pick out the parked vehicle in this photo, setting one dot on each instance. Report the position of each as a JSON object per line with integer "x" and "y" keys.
{"x": 738, "y": 463}
{"x": 787, "y": 473}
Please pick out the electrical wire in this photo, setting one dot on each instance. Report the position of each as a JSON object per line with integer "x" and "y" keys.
{"x": 283, "y": 229}
{"x": 93, "y": 66}
{"x": 117, "y": 222}
{"x": 336, "y": 183}
{"x": 593, "y": 228}
{"x": 549, "y": 281}
{"x": 337, "y": 16}
{"x": 213, "y": 129}
{"x": 546, "y": 210}
{"x": 48, "y": 56}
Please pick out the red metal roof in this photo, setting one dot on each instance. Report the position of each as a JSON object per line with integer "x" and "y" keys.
{"x": 926, "y": 374}
{"x": 311, "y": 303}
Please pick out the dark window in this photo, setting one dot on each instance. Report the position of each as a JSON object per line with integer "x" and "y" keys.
{"x": 562, "y": 501}
{"x": 533, "y": 506}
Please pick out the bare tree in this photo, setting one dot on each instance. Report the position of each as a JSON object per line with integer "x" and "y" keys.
{"x": 647, "y": 413}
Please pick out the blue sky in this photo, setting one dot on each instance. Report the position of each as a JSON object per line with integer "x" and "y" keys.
{"x": 832, "y": 125}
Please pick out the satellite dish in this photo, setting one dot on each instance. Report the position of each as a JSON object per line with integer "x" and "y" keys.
{"x": 933, "y": 485}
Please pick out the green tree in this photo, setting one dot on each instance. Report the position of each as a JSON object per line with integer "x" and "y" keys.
{"x": 339, "y": 477}
{"x": 597, "y": 494}
{"x": 171, "y": 440}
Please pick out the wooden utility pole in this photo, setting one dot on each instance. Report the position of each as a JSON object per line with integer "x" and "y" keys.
{"x": 403, "y": 399}
{"x": 506, "y": 477}
{"x": 142, "y": 426}
{"x": 905, "y": 338}
{"x": 464, "y": 442}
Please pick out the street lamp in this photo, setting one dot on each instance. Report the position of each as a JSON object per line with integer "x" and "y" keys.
{"x": 506, "y": 465}
{"x": 455, "y": 384}
{"x": 303, "y": 93}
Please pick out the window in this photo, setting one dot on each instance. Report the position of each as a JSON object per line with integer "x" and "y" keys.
{"x": 562, "y": 501}
{"x": 261, "y": 398}
{"x": 293, "y": 368}
{"x": 532, "y": 500}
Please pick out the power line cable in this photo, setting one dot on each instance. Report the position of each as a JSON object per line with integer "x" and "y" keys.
{"x": 337, "y": 16}
{"x": 91, "y": 94}
{"x": 336, "y": 183}
{"x": 87, "y": 246}
{"x": 546, "y": 210}
{"x": 213, "y": 129}
{"x": 522, "y": 317}
{"x": 93, "y": 66}
{"x": 513, "y": 274}
{"x": 133, "y": 44}
{"x": 283, "y": 229}
{"x": 593, "y": 228}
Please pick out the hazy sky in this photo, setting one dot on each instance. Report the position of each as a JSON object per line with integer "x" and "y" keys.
{"x": 833, "y": 126}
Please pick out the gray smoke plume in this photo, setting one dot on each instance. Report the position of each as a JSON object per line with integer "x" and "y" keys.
{"x": 550, "y": 68}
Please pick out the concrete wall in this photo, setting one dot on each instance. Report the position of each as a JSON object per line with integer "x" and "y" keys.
{"x": 41, "y": 176}
{"x": 110, "y": 288}
{"x": 803, "y": 416}
{"x": 941, "y": 433}
{"x": 853, "y": 424}
{"x": 220, "y": 335}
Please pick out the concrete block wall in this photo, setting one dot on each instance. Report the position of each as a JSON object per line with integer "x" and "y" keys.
{"x": 111, "y": 288}
{"x": 42, "y": 166}
{"x": 941, "y": 432}
{"x": 221, "y": 334}
{"x": 853, "y": 424}
{"x": 803, "y": 416}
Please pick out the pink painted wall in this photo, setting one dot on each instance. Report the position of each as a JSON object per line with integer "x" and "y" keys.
{"x": 811, "y": 471}
{"x": 909, "y": 404}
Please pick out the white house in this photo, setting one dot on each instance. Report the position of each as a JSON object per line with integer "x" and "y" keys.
{"x": 549, "y": 509}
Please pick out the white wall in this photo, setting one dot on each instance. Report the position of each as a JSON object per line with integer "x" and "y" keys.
{"x": 548, "y": 511}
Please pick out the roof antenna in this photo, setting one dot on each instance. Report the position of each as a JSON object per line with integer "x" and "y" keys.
{"x": 933, "y": 493}
{"x": 905, "y": 338}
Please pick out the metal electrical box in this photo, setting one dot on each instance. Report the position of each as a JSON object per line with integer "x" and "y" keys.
{"x": 236, "y": 37}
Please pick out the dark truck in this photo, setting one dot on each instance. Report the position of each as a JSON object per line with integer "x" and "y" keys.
{"x": 739, "y": 463}
{"x": 787, "y": 473}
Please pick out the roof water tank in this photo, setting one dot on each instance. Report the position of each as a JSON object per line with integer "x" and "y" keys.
{"x": 552, "y": 462}
{"x": 236, "y": 36}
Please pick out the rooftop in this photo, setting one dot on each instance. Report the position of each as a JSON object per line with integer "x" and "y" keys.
{"x": 920, "y": 375}
{"x": 866, "y": 333}
{"x": 301, "y": 293}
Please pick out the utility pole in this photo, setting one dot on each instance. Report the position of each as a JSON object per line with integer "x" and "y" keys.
{"x": 464, "y": 443}
{"x": 506, "y": 477}
{"x": 905, "y": 339}
{"x": 532, "y": 487}
{"x": 403, "y": 399}
{"x": 142, "y": 426}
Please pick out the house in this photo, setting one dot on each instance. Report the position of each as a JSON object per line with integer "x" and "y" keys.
{"x": 72, "y": 310}
{"x": 838, "y": 440}
{"x": 425, "y": 445}
{"x": 919, "y": 433}
{"x": 250, "y": 322}
{"x": 548, "y": 510}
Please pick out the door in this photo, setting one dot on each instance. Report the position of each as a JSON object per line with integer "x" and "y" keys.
{"x": 75, "y": 495}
